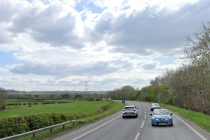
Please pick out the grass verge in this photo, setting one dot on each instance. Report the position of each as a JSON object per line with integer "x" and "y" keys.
{"x": 198, "y": 118}
{"x": 115, "y": 106}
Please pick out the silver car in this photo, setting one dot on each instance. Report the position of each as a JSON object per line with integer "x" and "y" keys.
{"x": 130, "y": 111}
{"x": 154, "y": 106}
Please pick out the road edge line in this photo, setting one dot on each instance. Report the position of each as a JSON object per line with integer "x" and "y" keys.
{"x": 191, "y": 128}
{"x": 96, "y": 128}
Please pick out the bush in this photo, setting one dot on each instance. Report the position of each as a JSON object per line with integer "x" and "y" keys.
{"x": 12, "y": 125}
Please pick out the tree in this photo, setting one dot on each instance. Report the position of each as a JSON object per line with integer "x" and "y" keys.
{"x": 3, "y": 97}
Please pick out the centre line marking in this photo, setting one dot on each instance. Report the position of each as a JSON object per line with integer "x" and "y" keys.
{"x": 97, "y": 127}
{"x": 137, "y": 135}
{"x": 142, "y": 125}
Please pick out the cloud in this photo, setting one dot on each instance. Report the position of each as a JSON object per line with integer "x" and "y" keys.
{"x": 55, "y": 24}
{"x": 150, "y": 31}
{"x": 97, "y": 68}
{"x": 149, "y": 65}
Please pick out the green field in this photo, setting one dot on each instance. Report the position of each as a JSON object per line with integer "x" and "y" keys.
{"x": 76, "y": 106}
{"x": 22, "y": 118}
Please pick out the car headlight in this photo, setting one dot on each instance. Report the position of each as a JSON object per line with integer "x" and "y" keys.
{"x": 169, "y": 118}
{"x": 153, "y": 118}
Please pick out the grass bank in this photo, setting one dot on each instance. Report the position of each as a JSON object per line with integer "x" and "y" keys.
{"x": 198, "y": 118}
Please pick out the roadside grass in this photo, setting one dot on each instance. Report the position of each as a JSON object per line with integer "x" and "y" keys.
{"x": 198, "y": 118}
{"x": 115, "y": 106}
{"x": 76, "y": 106}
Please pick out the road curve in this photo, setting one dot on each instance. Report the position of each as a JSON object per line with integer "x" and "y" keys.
{"x": 115, "y": 127}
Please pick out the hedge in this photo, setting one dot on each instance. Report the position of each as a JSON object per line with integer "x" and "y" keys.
{"x": 13, "y": 104}
{"x": 19, "y": 124}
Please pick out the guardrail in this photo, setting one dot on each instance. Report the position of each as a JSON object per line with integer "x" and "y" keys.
{"x": 41, "y": 130}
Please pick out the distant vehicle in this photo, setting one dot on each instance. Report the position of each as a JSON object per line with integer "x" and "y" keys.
{"x": 154, "y": 106}
{"x": 130, "y": 111}
{"x": 161, "y": 117}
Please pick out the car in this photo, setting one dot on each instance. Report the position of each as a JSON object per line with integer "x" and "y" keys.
{"x": 154, "y": 106}
{"x": 161, "y": 117}
{"x": 130, "y": 111}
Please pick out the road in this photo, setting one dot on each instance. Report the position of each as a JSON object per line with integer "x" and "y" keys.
{"x": 115, "y": 127}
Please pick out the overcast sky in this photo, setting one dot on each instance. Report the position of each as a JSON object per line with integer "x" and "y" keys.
{"x": 61, "y": 44}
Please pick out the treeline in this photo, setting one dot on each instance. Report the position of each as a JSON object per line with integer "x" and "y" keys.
{"x": 121, "y": 94}
{"x": 3, "y": 97}
{"x": 187, "y": 87}
{"x": 64, "y": 96}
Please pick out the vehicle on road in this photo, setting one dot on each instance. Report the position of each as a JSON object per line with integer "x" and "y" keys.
{"x": 130, "y": 111}
{"x": 154, "y": 106}
{"x": 161, "y": 117}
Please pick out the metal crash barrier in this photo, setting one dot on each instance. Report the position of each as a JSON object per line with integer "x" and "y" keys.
{"x": 41, "y": 130}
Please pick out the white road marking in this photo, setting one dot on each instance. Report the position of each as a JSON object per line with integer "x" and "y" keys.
{"x": 191, "y": 128}
{"x": 97, "y": 127}
{"x": 137, "y": 135}
{"x": 80, "y": 130}
{"x": 142, "y": 125}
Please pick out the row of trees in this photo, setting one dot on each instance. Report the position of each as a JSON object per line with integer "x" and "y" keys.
{"x": 63, "y": 96}
{"x": 121, "y": 94}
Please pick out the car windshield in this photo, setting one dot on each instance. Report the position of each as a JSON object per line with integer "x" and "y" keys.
{"x": 129, "y": 108}
{"x": 161, "y": 112}
{"x": 155, "y": 105}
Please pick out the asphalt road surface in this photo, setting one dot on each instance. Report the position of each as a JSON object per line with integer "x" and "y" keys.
{"x": 114, "y": 127}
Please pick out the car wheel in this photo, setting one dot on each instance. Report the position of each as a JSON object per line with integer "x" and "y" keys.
{"x": 151, "y": 110}
{"x": 172, "y": 124}
{"x": 153, "y": 125}
{"x": 123, "y": 117}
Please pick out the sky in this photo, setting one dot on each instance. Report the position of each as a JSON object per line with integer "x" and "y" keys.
{"x": 48, "y": 45}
